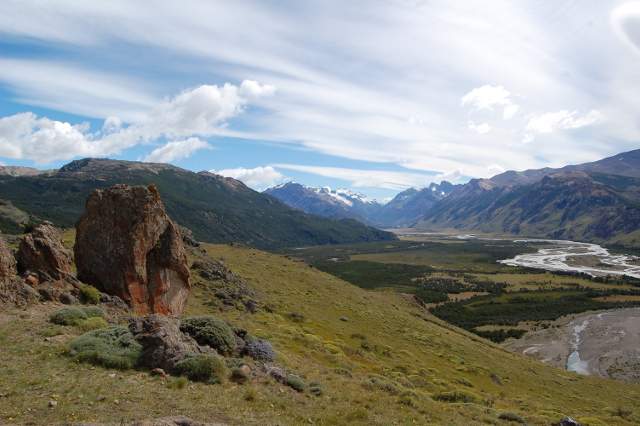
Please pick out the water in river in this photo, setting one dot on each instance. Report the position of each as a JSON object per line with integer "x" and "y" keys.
{"x": 561, "y": 255}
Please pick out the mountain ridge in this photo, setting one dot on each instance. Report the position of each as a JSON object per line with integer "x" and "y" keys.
{"x": 215, "y": 208}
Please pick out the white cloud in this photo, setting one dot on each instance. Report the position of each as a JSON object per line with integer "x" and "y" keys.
{"x": 176, "y": 150}
{"x": 488, "y": 97}
{"x": 479, "y": 128}
{"x": 359, "y": 178}
{"x": 253, "y": 89}
{"x": 510, "y": 111}
{"x": 626, "y": 23}
{"x": 202, "y": 111}
{"x": 258, "y": 178}
{"x": 42, "y": 140}
{"x": 560, "y": 120}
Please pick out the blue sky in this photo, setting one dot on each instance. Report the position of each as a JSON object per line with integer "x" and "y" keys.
{"x": 375, "y": 96}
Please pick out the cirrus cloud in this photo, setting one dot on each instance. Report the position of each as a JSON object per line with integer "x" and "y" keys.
{"x": 176, "y": 150}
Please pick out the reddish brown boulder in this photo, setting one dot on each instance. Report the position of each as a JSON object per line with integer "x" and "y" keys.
{"x": 42, "y": 252}
{"x": 127, "y": 246}
{"x": 7, "y": 262}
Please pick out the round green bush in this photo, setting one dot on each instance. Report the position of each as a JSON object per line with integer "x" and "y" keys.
{"x": 94, "y": 323}
{"x": 457, "y": 396}
{"x": 112, "y": 347}
{"x": 210, "y": 331}
{"x": 203, "y": 368}
{"x": 89, "y": 294}
{"x": 68, "y": 316}
{"x": 72, "y": 315}
{"x": 511, "y": 417}
{"x": 296, "y": 383}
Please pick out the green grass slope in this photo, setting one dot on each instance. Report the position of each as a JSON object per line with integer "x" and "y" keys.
{"x": 381, "y": 360}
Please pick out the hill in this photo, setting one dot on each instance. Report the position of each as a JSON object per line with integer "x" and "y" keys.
{"x": 215, "y": 208}
{"x": 379, "y": 358}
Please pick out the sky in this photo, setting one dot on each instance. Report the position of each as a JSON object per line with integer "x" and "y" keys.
{"x": 377, "y": 96}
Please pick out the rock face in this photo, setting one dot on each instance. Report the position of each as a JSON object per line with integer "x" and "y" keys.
{"x": 42, "y": 253}
{"x": 163, "y": 344}
{"x": 127, "y": 246}
{"x": 7, "y": 262}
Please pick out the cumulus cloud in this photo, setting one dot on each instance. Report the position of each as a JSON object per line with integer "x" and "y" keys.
{"x": 258, "y": 178}
{"x": 479, "y": 128}
{"x": 560, "y": 120}
{"x": 626, "y": 23}
{"x": 202, "y": 111}
{"x": 367, "y": 178}
{"x": 42, "y": 140}
{"x": 489, "y": 97}
{"x": 176, "y": 150}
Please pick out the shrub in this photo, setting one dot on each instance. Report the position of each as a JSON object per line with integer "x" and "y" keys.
{"x": 381, "y": 383}
{"x": 68, "y": 316}
{"x": 239, "y": 375}
{"x": 456, "y": 396}
{"x": 74, "y": 316}
{"x": 112, "y": 347}
{"x": 210, "y": 331}
{"x": 203, "y": 368}
{"x": 93, "y": 311}
{"x": 260, "y": 350}
{"x": 296, "y": 316}
{"x": 89, "y": 294}
{"x": 295, "y": 382}
{"x": 93, "y": 323}
{"x": 511, "y": 417}
{"x": 315, "y": 389}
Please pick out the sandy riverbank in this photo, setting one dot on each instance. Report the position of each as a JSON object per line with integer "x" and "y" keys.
{"x": 605, "y": 344}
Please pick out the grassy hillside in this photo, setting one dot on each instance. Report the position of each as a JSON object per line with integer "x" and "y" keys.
{"x": 380, "y": 359}
{"x": 216, "y": 209}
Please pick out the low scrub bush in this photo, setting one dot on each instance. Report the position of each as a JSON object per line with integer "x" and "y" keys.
{"x": 112, "y": 347}
{"x": 260, "y": 350}
{"x": 210, "y": 331}
{"x": 74, "y": 315}
{"x": 203, "y": 368}
{"x": 511, "y": 417}
{"x": 89, "y": 294}
{"x": 296, "y": 383}
{"x": 457, "y": 396}
{"x": 93, "y": 323}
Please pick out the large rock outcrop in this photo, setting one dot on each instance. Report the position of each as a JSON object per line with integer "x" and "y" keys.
{"x": 127, "y": 246}
{"x": 41, "y": 252}
{"x": 163, "y": 344}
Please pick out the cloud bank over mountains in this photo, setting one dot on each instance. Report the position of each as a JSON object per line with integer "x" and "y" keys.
{"x": 512, "y": 85}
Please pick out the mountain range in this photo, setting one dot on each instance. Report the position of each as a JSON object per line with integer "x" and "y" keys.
{"x": 597, "y": 201}
{"x": 405, "y": 209}
{"x": 217, "y": 209}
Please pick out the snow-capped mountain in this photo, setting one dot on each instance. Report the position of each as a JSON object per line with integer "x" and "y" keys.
{"x": 403, "y": 210}
{"x": 333, "y": 203}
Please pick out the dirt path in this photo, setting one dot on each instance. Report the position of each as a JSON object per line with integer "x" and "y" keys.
{"x": 605, "y": 344}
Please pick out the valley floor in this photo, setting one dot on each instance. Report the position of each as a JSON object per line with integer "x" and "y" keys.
{"x": 605, "y": 344}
